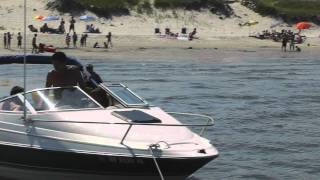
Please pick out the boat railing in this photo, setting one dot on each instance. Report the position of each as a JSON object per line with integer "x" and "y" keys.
{"x": 209, "y": 123}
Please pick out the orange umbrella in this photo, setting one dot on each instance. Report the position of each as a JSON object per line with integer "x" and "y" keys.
{"x": 303, "y": 25}
{"x": 38, "y": 17}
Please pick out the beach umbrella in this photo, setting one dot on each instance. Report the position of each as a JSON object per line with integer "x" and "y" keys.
{"x": 303, "y": 25}
{"x": 51, "y": 18}
{"x": 87, "y": 18}
{"x": 39, "y": 17}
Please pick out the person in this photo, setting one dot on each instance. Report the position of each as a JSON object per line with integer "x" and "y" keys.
{"x": 292, "y": 42}
{"x": 284, "y": 43}
{"x": 68, "y": 39}
{"x": 82, "y": 40}
{"x": 74, "y": 39}
{"x": 298, "y": 49}
{"x": 85, "y": 40}
{"x": 91, "y": 28}
{"x": 100, "y": 96}
{"x": 34, "y": 44}
{"x": 96, "y": 45}
{"x": 9, "y": 37}
{"x": 92, "y": 75}
{"x": 16, "y": 90}
{"x": 32, "y": 28}
{"x": 19, "y": 39}
{"x": 105, "y": 45}
{"x": 109, "y": 40}
{"x": 5, "y": 40}
{"x": 62, "y": 22}
{"x": 46, "y": 48}
{"x": 13, "y": 104}
{"x": 63, "y": 75}
{"x": 41, "y": 48}
{"x": 192, "y": 34}
{"x": 72, "y": 22}
{"x": 61, "y": 28}
{"x": 44, "y": 28}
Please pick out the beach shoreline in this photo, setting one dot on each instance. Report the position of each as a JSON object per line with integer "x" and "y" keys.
{"x": 156, "y": 48}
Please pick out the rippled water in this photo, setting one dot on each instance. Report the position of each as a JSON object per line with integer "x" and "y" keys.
{"x": 266, "y": 110}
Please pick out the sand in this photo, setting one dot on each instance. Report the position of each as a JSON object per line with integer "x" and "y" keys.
{"x": 134, "y": 38}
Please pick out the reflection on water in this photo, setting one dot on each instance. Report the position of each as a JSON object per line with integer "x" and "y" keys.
{"x": 266, "y": 110}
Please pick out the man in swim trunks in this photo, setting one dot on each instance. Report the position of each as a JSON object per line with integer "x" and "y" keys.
{"x": 63, "y": 75}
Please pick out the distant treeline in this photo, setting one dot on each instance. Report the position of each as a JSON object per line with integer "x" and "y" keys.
{"x": 289, "y": 10}
{"x": 108, "y": 8}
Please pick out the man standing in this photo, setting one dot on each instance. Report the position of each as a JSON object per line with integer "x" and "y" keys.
{"x": 19, "y": 38}
{"x": 9, "y": 37}
{"x": 82, "y": 41}
{"x": 63, "y": 75}
{"x": 284, "y": 43}
{"x": 5, "y": 40}
{"x": 109, "y": 40}
{"x": 34, "y": 44}
{"x": 72, "y": 22}
{"x": 74, "y": 39}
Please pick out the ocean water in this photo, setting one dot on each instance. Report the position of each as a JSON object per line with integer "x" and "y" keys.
{"x": 266, "y": 110}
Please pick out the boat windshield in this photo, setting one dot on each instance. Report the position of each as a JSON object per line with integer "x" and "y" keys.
{"x": 56, "y": 99}
{"x": 124, "y": 95}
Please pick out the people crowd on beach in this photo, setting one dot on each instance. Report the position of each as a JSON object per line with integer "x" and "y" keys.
{"x": 278, "y": 36}
{"x": 291, "y": 38}
{"x": 285, "y": 37}
{"x": 71, "y": 37}
{"x": 172, "y": 35}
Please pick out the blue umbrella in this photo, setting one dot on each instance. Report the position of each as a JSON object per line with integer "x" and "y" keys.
{"x": 87, "y": 18}
{"x": 51, "y": 18}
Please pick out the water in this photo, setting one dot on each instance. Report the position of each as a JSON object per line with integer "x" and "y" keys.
{"x": 266, "y": 110}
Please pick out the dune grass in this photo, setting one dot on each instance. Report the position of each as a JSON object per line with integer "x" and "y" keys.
{"x": 120, "y": 7}
{"x": 292, "y": 7}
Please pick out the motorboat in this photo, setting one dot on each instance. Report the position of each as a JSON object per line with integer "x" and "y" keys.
{"x": 68, "y": 134}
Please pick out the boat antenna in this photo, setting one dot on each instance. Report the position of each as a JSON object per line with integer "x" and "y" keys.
{"x": 25, "y": 60}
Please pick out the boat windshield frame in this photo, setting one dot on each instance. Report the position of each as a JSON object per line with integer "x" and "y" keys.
{"x": 143, "y": 104}
{"x": 31, "y": 109}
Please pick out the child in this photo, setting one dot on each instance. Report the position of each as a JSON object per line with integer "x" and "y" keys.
{"x": 68, "y": 39}
{"x": 19, "y": 38}
{"x": 34, "y": 44}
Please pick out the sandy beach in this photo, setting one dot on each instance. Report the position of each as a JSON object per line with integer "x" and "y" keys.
{"x": 153, "y": 47}
{"x": 133, "y": 36}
